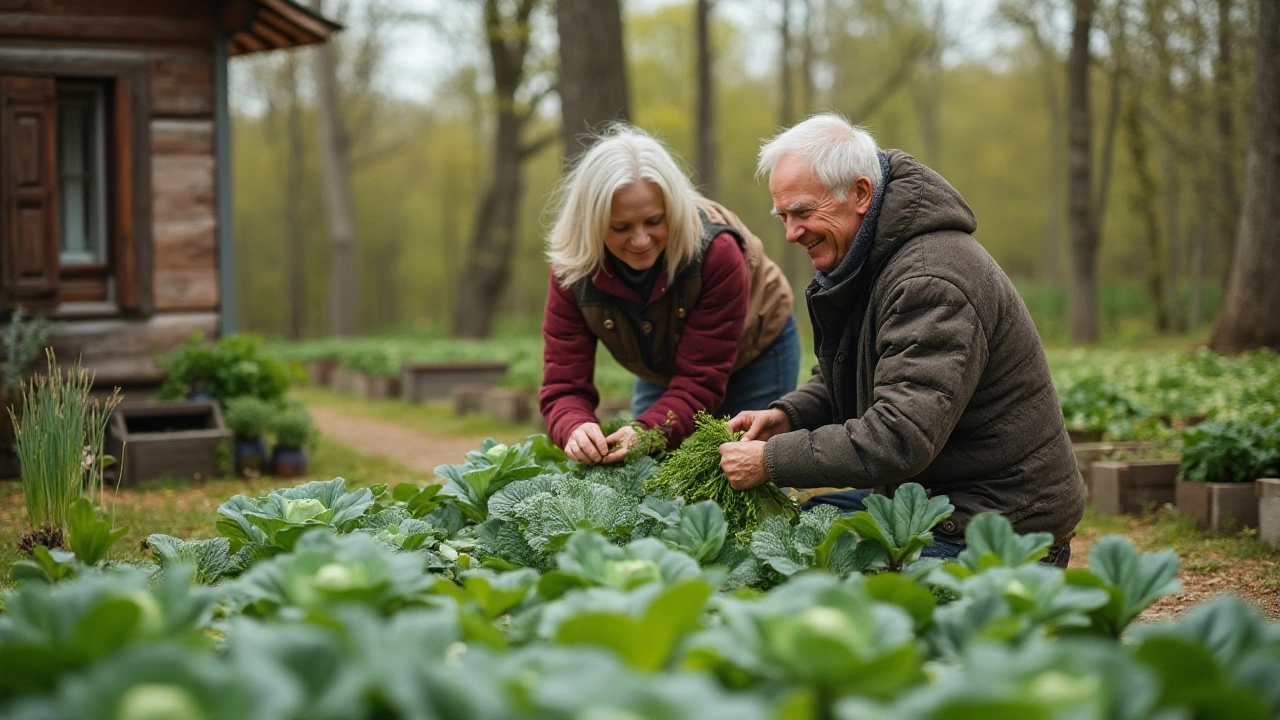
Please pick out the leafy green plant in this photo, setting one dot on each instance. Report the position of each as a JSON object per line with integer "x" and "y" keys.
{"x": 293, "y": 428}
{"x": 210, "y": 560}
{"x": 1133, "y": 581}
{"x": 249, "y": 417}
{"x": 646, "y": 633}
{"x": 693, "y": 472}
{"x": 88, "y": 534}
{"x": 991, "y": 542}
{"x": 60, "y": 442}
{"x": 901, "y": 526}
{"x": 1230, "y": 451}
{"x": 275, "y": 521}
{"x": 24, "y": 341}
{"x": 234, "y": 366}
{"x": 1094, "y": 406}
{"x": 485, "y": 472}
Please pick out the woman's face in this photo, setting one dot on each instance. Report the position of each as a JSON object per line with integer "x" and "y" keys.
{"x": 637, "y": 232}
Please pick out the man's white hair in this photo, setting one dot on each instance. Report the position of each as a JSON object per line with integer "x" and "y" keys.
{"x": 621, "y": 156}
{"x": 839, "y": 151}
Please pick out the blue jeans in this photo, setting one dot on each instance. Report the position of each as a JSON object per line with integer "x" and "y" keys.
{"x": 759, "y": 383}
{"x": 850, "y": 501}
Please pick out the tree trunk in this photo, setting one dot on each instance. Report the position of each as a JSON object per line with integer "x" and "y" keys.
{"x": 808, "y": 99}
{"x": 929, "y": 92}
{"x": 785, "y": 92}
{"x": 707, "y": 155}
{"x": 494, "y": 235}
{"x": 295, "y": 174}
{"x": 1083, "y": 305}
{"x": 1144, "y": 206}
{"x": 1250, "y": 315}
{"x": 1227, "y": 210}
{"x": 593, "y": 70}
{"x": 344, "y": 297}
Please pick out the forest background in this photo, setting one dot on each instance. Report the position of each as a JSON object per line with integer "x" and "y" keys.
{"x": 1168, "y": 99}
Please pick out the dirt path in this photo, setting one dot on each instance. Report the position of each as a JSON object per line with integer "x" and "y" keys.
{"x": 415, "y": 449}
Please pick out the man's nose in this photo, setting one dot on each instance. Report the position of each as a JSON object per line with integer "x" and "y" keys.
{"x": 795, "y": 231}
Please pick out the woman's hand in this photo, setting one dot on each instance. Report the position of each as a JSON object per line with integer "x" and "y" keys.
{"x": 587, "y": 445}
{"x": 760, "y": 424}
{"x": 620, "y": 441}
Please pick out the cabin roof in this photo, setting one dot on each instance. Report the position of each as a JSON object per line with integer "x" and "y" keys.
{"x": 258, "y": 25}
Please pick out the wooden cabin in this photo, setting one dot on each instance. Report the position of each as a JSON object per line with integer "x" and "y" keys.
{"x": 115, "y": 193}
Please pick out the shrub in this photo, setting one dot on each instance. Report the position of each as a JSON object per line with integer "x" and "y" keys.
{"x": 1231, "y": 451}
{"x": 249, "y": 417}
{"x": 233, "y": 367}
{"x": 293, "y": 428}
{"x": 25, "y": 338}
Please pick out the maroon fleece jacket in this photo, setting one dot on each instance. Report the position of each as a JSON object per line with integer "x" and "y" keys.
{"x": 704, "y": 359}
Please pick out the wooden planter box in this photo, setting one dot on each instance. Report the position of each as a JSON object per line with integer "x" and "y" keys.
{"x": 344, "y": 379}
{"x": 1089, "y": 453}
{"x": 1268, "y": 490}
{"x": 1128, "y": 488}
{"x": 507, "y": 405}
{"x": 169, "y": 439}
{"x": 469, "y": 398}
{"x": 424, "y": 382}
{"x": 1219, "y": 506}
{"x": 377, "y": 387}
{"x": 320, "y": 372}
{"x": 1084, "y": 436}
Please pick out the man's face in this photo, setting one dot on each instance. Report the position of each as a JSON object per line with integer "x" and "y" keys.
{"x": 814, "y": 218}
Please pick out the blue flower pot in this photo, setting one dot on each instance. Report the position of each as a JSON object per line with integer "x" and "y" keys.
{"x": 288, "y": 462}
{"x": 251, "y": 456}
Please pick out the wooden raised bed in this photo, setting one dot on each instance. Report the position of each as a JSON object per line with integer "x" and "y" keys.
{"x": 507, "y": 405}
{"x": 1268, "y": 490}
{"x": 1219, "y": 506}
{"x": 424, "y": 382}
{"x": 1129, "y": 488}
{"x": 320, "y": 372}
{"x": 1089, "y": 453}
{"x": 169, "y": 439}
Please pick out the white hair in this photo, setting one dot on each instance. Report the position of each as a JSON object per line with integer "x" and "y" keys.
{"x": 621, "y": 156}
{"x": 839, "y": 151}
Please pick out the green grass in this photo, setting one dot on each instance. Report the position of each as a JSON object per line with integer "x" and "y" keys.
{"x": 1200, "y": 551}
{"x": 435, "y": 418}
{"x": 189, "y": 509}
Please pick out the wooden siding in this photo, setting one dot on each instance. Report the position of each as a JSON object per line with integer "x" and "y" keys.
{"x": 173, "y": 41}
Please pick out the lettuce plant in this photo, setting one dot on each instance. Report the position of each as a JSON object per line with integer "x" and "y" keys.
{"x": 900, "y": 525}
{"x": 1133, "y": 580}
{"x": 276, "y": 520}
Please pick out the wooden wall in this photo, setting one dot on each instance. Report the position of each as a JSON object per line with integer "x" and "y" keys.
{"x": 175, "y": 39}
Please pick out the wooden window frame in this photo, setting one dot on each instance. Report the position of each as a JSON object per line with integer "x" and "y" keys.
{"x": 129, "y": 216}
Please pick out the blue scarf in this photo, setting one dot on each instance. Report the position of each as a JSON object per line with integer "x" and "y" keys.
{"x": 861, "y": 241}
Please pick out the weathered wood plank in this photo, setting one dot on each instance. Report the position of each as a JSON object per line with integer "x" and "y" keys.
{"x": 186, "y": 289}
{"x": 186, "y": 244}
{"x": 174, "y": 32}
{"x": 182, "y": 85}
{"x": 182, "y": 187}
{"x": 182, "y": 137}
{"x": 122, "y": 351}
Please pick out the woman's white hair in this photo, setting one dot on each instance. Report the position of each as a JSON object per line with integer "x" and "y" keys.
{"x": 620, "y": 156}
{"x": 839, "y": 151}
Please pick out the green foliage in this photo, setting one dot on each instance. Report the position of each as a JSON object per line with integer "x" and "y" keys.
{"x": 23, "y": 342}
{"x": 1132, "y": 580}
{"x": 901, "y": 525}
{"x": 1095, "y": 407}
{"x": 487, "y": 471}
{"x": 234, "y": 366}
{"x": 275, "y": 521}
{"x": 60, "y": 442}
{"x": 249, "y": 417}
{"x": 693, "y": 472}
{"x": 1230, "y": 451}
{"x": 90, "y": 536}
{"x": 646, "y": 633}
{"x": 991, "y": 542}
{"x": 293, "y": 428}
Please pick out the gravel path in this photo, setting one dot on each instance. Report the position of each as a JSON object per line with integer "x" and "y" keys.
{"x": 415, "y": 449}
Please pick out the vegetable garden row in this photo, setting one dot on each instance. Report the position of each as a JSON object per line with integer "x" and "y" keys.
{"x": 528, "y": 586}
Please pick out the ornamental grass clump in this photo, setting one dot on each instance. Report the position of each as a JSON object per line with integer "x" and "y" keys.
{"x": 693, "y": 473}
{"x": 59, "y": 441}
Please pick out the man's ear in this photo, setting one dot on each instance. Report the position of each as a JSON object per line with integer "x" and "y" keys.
{"x": 860, "y": 195}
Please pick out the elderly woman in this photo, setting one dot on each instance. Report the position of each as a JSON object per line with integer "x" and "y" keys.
{"x": 674, "y": 285}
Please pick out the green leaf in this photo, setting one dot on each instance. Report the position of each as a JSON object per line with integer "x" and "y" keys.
{"x": 906, "y": 594}
{"x": 88, "y": 535}
{"x": 1134, "y": 580}
{"x": 701, "y": 532}
{"x": 901, "y": 524}
{"x": 990, "y": 542}
{"x": 425, "y": 501}
{"x": 647, "y": 642}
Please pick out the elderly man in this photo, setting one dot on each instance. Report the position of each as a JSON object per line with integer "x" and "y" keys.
{"x": 929, "y": 367}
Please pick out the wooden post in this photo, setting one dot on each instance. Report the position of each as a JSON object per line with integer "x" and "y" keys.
{"x": 1268, "y": 490}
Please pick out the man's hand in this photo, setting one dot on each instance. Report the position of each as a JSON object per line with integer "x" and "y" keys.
{"x": 760, "y": 424}
{"x": 587, "y": 444}
{"x": 743, "y": 463}
{"x": 620, "y": 441}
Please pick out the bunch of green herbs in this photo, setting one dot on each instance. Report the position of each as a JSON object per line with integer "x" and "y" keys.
{"x": 693, "y": 472}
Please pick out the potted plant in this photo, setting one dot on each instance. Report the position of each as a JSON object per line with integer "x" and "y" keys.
{"x": 1220, "y": 463}
{"x": 249, "y": 418}
{"x": 233, "y": 367}
{"x": 294, "y": 431}
{"x": 59, "y": 441}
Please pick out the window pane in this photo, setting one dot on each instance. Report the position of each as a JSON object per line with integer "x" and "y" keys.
{"x": 81, "y": 153}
